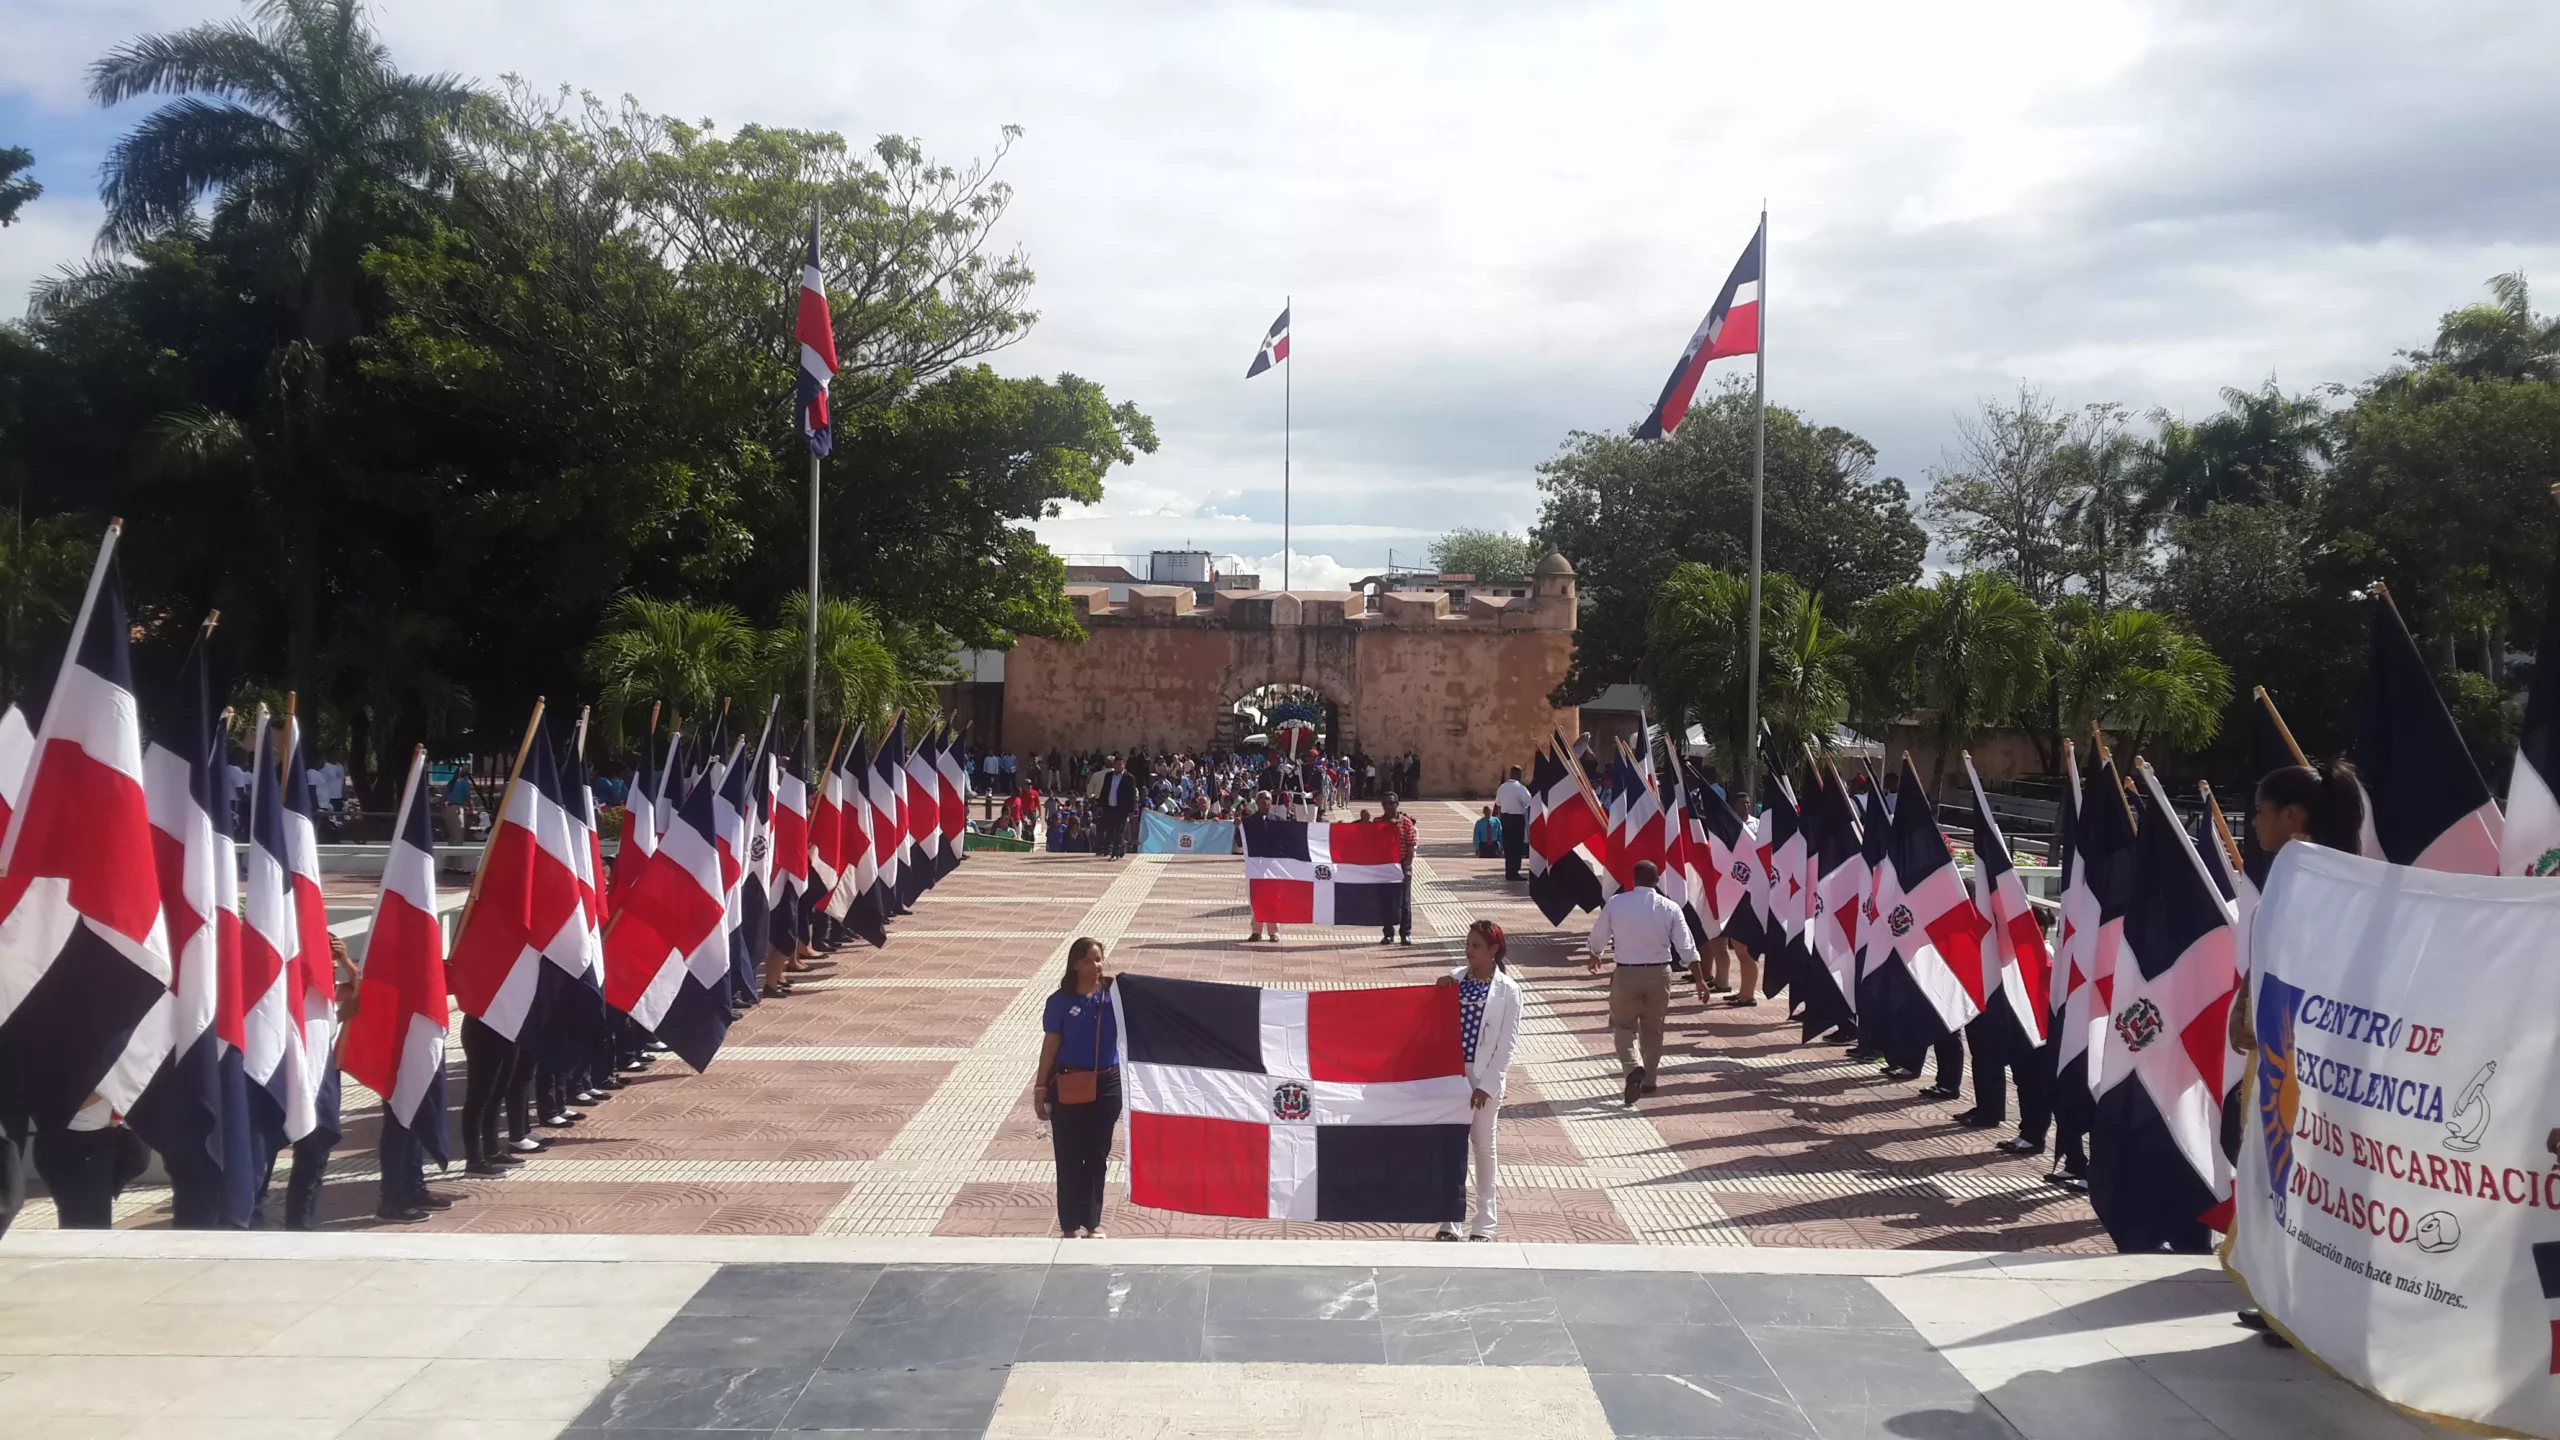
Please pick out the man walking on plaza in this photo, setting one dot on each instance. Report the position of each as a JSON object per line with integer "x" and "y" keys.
{"x": 1406, "y": 843}
{"x": 1512, "y": 800}
{"x": 1652, "y": 939}
{"x": 1119, "y": 800}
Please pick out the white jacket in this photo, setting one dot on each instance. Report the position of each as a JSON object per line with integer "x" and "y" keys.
{"x": 1501, "y": 1030}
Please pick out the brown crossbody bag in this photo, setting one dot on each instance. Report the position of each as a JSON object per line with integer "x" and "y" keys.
{"x": 1083, "y": 1087}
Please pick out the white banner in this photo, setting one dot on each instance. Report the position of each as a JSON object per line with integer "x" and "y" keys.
{"x": 2399, "y": 1198}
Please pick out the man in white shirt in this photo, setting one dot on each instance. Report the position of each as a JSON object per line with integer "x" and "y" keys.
{"x": 1652, "y": 938}
{"x": 1512, "y": 801}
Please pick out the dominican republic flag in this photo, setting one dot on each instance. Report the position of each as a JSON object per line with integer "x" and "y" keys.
{"x": 924, "y": 813}
{"x": 2156, "y": 1165}
{"x": 885, "y": 785}
{"x": 640, "y": 821}
{"x": 1779, "y": 900}
{"x": 181, "y": 1113}
{"x": 826, "y": 827}
{"x": 816, "y": 333}
{"x": 1565, "y": 830}
{"x": 1732, "y": 327}
{"x": 667, "y": 954}
{"x": 17, "y": 752}
{"x": 1829, "y": 986}
{"x": 1726, "y": 854}
{"x": 2075, "y": 923}
{"x": 1635, "y": 822}
{"x": 522, "y": 953}
{"x": 1275, "y": 346}
{"x": 1929, "y": 919}
{"x": 951, "y": 762}
{"x": 2015, "y": 962}
{"x": 1294, "y": 1105}
{"x": 790, "y": 858}
{"x": 1300, "y": 872}
{"x": 279, "y": 1060}
{"x": 84, "y": 954}
{"x": 1685, "y": 876}
{"x": 859, "y": 898}
{"x": 2105, "y": 863}
{"x": 746, "y": 793}
{"x": 2531, "y": 842}
{"x": 2425, "y": 803}
{"x": 586, "y": 839}
{"x": 394, "y": 1045}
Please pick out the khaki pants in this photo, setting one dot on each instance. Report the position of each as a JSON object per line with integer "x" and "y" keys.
{"x": 1639, "y": 1000}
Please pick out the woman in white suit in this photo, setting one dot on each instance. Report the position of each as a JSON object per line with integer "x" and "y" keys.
{"x": 1489, "y": 1025}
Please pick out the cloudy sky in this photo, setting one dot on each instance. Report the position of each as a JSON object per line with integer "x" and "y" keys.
{"x": 1499, "y": 220}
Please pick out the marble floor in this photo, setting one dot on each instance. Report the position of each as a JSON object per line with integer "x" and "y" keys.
{"x": 144, "y": 1335}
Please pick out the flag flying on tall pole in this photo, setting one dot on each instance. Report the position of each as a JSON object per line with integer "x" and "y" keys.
{"x": 2531, "y": 842}
{"x": 84, "y": 954}
{"x": 395, "y": 1042}
{"x": 1732, "y": 327}
{"x": 2425, "y": 801}
{"x": 814, "y": 327}
{"x": 1275, "y": 349}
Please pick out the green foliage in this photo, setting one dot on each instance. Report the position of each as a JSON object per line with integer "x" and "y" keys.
{"x": 1492, "y": 556}
{"x": 685, "y": 657}
{"x": 17, "y": 188}
{"x": 1968, "y": 650}
{"x": 1698, "y": 647}
{"x": 2265, "y": 447}
{"x": 2134, "y": 672}
{"x": 1627, "y": 511}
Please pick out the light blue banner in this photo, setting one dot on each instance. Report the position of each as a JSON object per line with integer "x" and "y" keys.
{"x": 1160, "y": 834}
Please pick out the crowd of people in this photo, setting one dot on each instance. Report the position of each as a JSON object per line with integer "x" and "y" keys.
{"x": 1090, "y": 801}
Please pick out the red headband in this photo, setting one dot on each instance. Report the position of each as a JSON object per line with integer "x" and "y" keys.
{"x": 1493, "y": 932}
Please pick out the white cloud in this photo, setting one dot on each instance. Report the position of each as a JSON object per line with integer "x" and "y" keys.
{"x": 1498, "y": 220}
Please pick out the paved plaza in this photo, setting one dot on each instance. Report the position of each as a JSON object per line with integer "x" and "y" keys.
{"x": 890, "y": 1094}
{"x": 841, "y": 1230}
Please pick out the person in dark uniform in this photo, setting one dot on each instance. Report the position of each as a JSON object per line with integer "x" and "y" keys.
{"x": 1119, "y": 806}
{"x": 86, "y": 1164}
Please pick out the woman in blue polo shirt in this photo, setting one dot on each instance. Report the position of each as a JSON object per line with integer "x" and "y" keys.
{"x": 1080, "y": 1055}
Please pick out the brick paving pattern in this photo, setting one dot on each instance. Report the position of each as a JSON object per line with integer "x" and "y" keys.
{"x": 889, "y": 1096}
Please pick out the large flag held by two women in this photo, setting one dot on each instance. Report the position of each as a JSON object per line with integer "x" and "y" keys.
{"x": 84, "y": 954}
{"x": 1294, "y": 1105}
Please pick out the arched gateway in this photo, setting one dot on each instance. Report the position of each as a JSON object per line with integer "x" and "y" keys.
{"x": 1462, "y": 686}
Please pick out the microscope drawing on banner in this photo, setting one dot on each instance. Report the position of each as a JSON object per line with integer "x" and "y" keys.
{"x": 2470, "y": 1113}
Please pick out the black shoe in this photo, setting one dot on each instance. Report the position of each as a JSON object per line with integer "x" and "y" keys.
{"x": 1387, "y": 939}
{"x": 506, "y": 1162}
{"x": 1974, "y": 1120}
{"x": 1940, "y": 1092}
{"x": 1635, "y": 1083}
{"x": 557, "y": 1122}
{"x": 2020, "y": 1145}
{"x": 2252, "y": 1320}
{"x": 1652, "y": 1082}
{"x": 400, "y": 1214}
{"x": 1896, "y": 1072}
{"x": 1404, "y": 940}
{"x": 436, "y": 1200}
{"x": 484, "y": 1168}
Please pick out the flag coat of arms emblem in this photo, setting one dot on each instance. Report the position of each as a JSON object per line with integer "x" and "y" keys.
{"x": 1295, "y": 1105}
{"x": 1300, "y": 872}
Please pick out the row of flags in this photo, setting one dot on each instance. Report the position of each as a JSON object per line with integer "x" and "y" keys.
{"x": 149, "y": 971}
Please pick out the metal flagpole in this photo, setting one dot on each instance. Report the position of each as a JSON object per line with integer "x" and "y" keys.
{"x": 1288, "y": 307}
{"x": 1759, "y": 456}
{"x": 809, "y": 717}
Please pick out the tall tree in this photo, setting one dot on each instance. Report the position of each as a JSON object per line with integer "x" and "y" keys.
{"x": 2001, "y": 497}
{"x": 1626, "y": 511}
{"x": 1492, "y": 556}
{"x": 2502, "y": 339}
{"x": 2106, "y": 534}
{"x": 2137, "y": 673}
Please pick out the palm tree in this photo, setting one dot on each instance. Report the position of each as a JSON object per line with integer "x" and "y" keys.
{"x": 2105, "y": 530}
{"x": 2502, "y": 340}
{"x": 298, "y": 122}
{"x": 2137, "y": 673}
{"x": 687, "y": 656}
{"x": 1696, "y": 649}
{"x": 1968, "y": 650}
{"x": 2265, "y": 446}
{"x": 859, "y": 679}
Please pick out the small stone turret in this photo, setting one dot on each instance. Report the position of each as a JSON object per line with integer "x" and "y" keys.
{"x": 1552, "y": 593}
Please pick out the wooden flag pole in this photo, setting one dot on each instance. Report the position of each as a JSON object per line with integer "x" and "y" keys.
{"x": 2262, "y": 697}
{"x": 2213, "y": 807}
{"x": 1573, "y": 764}
{"x": 523, "y": 748}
